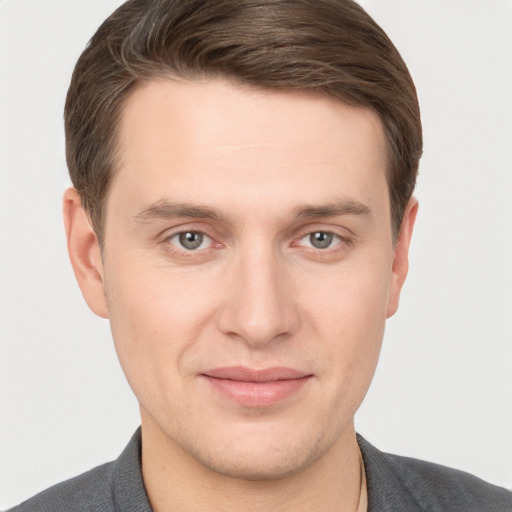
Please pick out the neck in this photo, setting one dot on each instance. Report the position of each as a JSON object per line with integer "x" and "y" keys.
{"x": 176, "y": 481}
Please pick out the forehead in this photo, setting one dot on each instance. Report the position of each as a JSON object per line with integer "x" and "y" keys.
{"x": 214, "y": 140}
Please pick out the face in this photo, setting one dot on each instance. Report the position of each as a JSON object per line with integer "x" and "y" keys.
{"x": 248, "y": 270}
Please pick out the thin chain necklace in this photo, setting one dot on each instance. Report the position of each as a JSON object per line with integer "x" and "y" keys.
{"x": 362, "y": 506}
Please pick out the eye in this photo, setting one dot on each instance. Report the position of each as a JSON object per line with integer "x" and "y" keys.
{"x": 321, "y": 240}
{"x": 191, "y": 240}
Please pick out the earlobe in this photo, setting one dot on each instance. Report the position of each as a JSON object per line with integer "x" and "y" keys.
{"x": 84, "y": 253}
{"x": 401, "y": 256}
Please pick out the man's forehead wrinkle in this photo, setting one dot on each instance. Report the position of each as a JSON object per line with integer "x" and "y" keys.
{"x": 165, "y": 209}
{"x": 338, "y": 207}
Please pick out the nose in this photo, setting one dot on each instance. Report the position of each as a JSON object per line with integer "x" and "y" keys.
{"x": 259, "y": 307}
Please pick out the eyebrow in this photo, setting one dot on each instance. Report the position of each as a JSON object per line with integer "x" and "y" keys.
{"x": 335, "y": 208}
{"x": 165, "y": 210}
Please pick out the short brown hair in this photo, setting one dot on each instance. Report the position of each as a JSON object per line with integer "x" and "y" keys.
{"x": 329, "y": 46}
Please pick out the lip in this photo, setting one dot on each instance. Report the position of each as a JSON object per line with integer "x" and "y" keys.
{"x": 256, "y": 387}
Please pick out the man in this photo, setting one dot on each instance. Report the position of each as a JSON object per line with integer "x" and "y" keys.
{"x": 241, "y": 213}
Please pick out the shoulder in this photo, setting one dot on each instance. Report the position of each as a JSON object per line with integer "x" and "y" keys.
{"x": 441, "y": 486}
{"x": 113, "y": 486}
{"x": 430, "y": 486}
{"x": 87, "y": 492}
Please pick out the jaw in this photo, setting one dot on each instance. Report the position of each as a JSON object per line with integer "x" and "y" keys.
{"x": 255, "y": 477}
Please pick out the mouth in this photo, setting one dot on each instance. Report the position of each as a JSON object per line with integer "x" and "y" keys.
{"x": 256, "y": 388}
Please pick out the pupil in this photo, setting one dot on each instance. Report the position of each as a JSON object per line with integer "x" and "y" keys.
{"x": 191, "y": 240}
{"x": 321, "y": 240}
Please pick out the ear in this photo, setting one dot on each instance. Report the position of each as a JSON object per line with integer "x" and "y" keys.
{"x": 84, "y": 253}
{"x": 401, "y": 256}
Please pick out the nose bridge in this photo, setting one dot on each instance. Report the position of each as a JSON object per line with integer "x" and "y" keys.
{"x": 260, "y": 306}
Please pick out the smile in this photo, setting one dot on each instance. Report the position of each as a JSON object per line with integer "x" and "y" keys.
{"x": 256, "y": 388}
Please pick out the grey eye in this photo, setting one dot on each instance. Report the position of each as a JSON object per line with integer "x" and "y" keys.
{"x": 321, "y": 239}
{"x": 191, "y": 240}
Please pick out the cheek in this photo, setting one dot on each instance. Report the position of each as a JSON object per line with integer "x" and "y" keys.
{"x": 351, "y": 302}
{"x": 348, "y": 312}
{"x": 156, "y": 317}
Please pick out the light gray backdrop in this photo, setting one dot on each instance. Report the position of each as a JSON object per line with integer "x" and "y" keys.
{"x": 443, "y": 389}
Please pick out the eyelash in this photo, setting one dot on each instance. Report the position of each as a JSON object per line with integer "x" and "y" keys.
{"x": 334, "y": 237}
{"x": 179, "y": 251}
{"x": 339, "y": 241}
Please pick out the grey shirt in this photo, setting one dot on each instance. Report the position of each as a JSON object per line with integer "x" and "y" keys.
{"x": 395, "y": 484}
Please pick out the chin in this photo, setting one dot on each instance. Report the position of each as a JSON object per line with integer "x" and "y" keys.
{"x": 260, "y": 460}
{"x": 258, "y": 467}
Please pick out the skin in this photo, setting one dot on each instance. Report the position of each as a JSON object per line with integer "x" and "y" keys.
{"x": 256, "y": 173}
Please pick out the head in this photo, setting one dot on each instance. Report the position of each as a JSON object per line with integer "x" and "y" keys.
{"x": 242, "y": 212}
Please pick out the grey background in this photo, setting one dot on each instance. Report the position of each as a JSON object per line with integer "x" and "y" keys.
{"x": 443, "y": 389}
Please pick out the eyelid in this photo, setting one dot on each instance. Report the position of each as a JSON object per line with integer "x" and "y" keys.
{"x": 343, "y": 233}
{"x": 340, "y": 240}
{"x": 185, "y": 227}
{"x": 167, "y": 235}
{"x": 178, "y": 245}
